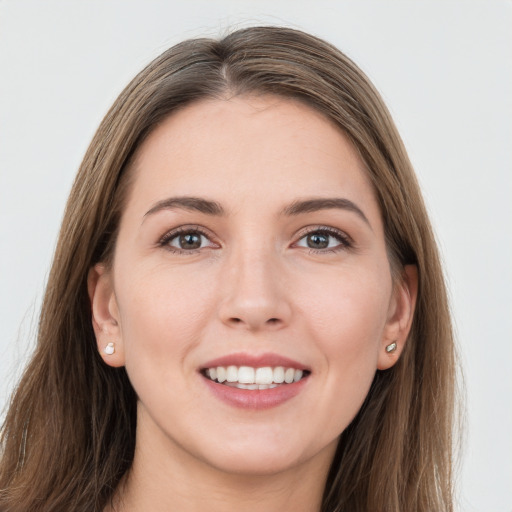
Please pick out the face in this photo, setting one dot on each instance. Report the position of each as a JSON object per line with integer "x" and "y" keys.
{"x": 251, "y": 250}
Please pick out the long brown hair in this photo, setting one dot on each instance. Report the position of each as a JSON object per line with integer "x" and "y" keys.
{"x": 69, "y": 434}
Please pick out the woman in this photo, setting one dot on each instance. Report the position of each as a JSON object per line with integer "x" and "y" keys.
{"x": 246, "y": 307}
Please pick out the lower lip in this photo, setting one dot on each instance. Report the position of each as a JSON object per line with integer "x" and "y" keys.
{"x": 255, "y": 398}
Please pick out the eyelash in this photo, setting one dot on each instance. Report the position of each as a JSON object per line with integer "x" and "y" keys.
{"x": 345, "y": 241}
{"x": 171, "y": 235}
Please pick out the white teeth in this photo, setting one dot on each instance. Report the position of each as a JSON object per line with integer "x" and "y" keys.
{"x": 279, "y": 375}
{"x": 250, "y": 386}
{"x": 221, "y": 373}
{"x": 246, "y": 377}
{"x": 264, "y": 375}
{"x": 231, "y": 373}
{"x": 288, "y": 375}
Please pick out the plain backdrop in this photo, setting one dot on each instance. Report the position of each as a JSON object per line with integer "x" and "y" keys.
{"x": 443, "y": 67}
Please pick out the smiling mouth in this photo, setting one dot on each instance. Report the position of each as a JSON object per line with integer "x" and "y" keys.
{"x": 247, "y": 377}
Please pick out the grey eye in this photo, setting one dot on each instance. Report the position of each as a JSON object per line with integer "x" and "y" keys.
{"x": 321, "y": 240}
{"x": 317, "y": 241}
{"x": 191, "y": 240}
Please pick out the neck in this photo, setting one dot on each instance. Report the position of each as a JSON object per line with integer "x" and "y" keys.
{"x": 170, "y": 479}
{"x": 159, "y": 493}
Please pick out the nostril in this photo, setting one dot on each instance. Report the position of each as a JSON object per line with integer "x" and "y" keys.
{"x": 271, "y": 321}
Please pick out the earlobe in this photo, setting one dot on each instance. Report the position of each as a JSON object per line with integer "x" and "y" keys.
{"x": 400, "y": 318}
{"x": 105, "y": 315}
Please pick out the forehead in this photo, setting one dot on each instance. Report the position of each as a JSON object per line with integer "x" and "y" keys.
{"x": 253, "y": 147}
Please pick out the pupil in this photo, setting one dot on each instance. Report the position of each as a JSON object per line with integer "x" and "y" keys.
{"x": 190, "y": 241}
{"x": 318, "y": 241}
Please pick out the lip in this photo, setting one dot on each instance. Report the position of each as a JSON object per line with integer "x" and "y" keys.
{"x": 257, "y": 399}
{"x": 255, "y": 361}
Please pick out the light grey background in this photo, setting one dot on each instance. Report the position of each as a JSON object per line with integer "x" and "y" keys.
{"x": 445, "y": 70}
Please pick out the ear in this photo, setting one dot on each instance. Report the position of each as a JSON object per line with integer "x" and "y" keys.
{"x": 400, "y": 316}
{"x": 105, "y": 315}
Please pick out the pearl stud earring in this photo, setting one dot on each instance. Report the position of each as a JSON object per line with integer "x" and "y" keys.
{"x": 109, "y": 349}
{"x": 391, "y": 347}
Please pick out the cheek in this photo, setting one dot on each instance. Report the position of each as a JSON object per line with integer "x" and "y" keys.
{"x": 346, "y": 316}
{"x": 350, "y": 306}
{"x": 162, "y": 313}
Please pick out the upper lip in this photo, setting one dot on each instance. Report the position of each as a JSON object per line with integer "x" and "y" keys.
{"x": 254, "y": 361}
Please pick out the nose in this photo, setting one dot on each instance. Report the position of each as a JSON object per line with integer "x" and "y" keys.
{"x": 254, "y": 293}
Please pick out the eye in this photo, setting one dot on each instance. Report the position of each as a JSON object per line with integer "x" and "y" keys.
{"x": 321, "y": 240}
{"x": 186, "y": 240}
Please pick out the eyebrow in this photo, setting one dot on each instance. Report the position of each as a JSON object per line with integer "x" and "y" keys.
{"x": 194, "y": 204}
{"x": 316, "y": 204}
{"x": 298, "y": 207}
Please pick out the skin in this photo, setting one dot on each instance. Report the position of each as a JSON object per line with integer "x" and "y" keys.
{"x": 253, "y": 286}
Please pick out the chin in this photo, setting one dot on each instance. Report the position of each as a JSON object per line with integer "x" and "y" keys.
{"x": 256, "y": 464}
{"x": 269, "y": 458}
